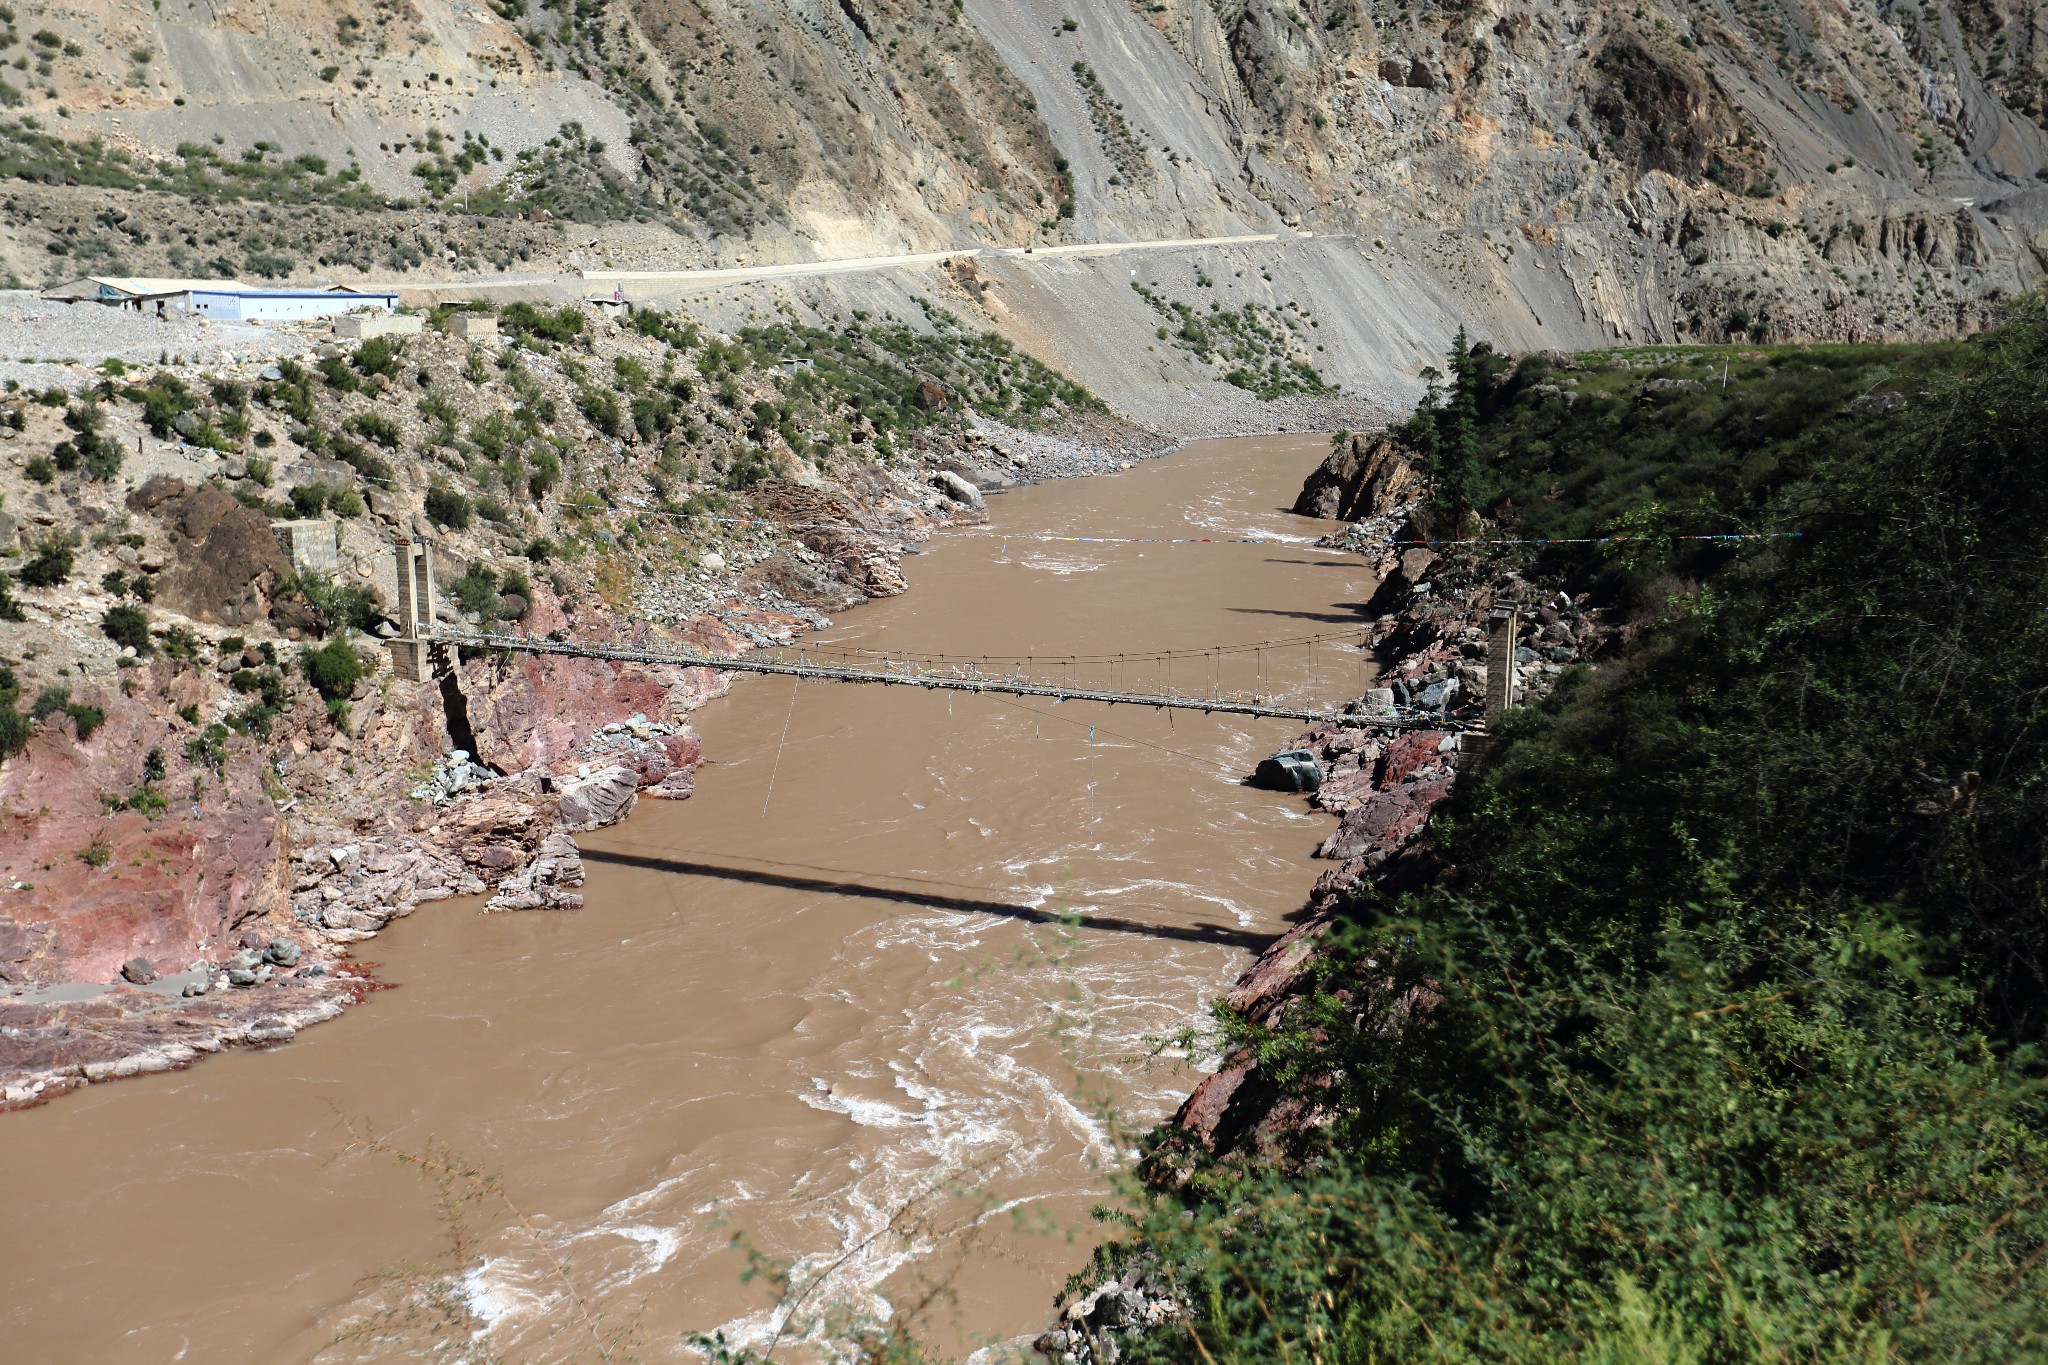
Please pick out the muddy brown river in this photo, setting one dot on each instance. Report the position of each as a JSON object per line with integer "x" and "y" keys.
{"x": 880, "y": 1000}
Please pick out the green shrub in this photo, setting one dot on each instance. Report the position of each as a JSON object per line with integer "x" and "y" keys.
{"x": 447, "y": 508}
{"x": 362, "y": 461}
{"x": 477, "y": 591}
{"x": 14, "y": 726}
{"x": 41, "y": 468}
{"x": 266, "y": 685}
{"x": 309, "y": 499}
{"x": 335, "y": 606}
{"x": 515, "y": 584}
{"x": 163, "y": 402}
{"x": 544, "y": 475}
{"x": 51, "y": 564}
{"x": 601, "y": 409}
{"x": 377, "y": 427}
{"x": 128, "y": 625}
{"x": 209, "y": 748}
{"x": 57, "y": 698}
{"x": 333, "y": 670}
{"x": 14, "y": 731}
{"x": 338, "y": 375}
{"x": 379, "y": 355}
{"x": 100, "y": 456}
{"x": 528, "y": 322}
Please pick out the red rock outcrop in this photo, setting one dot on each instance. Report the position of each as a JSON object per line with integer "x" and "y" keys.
{"x": 91, "y": 886}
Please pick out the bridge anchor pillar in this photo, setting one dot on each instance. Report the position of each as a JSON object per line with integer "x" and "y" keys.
{"x": 413, "y": 610}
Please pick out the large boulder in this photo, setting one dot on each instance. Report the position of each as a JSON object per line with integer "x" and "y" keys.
{"x": 1362, "y": 478}
{"x": 227, "y": 561}
{"x": 556, "y": 865}
{"x": 605, "y": 797}
{"x": 801, "y": 583}
{"x": 958, "y": 489}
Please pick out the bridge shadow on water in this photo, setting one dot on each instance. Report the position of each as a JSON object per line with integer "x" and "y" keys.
{"x": 839, "y": 886}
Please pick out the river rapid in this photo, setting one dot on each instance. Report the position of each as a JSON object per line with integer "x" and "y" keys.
{"x": 881, "y": 999}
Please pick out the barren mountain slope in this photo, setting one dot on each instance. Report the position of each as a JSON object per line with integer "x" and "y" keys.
{"x": 1549, "y": 174}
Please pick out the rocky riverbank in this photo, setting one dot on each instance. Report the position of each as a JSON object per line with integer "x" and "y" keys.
{"x": 1430, "y": 640}
{"x": 1430, "y": 645}
{"x": 139, "y": 939}
{"x": 168, "y": 894}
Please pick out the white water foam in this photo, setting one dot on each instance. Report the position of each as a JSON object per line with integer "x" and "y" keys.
{"x": 866, "y": 1113}
{"x": 494, "y": 1292}
{"x": 1063, "y": 565}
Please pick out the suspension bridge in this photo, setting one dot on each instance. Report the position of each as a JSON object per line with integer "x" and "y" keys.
{"x": 421, "y": 638}
{"x": 938, "y": 676}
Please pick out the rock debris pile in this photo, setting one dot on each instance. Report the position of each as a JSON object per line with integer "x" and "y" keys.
{"x": 1089, "y": 1329}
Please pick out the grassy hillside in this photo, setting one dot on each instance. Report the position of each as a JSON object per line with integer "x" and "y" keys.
{"x": 1716, "y": 1038}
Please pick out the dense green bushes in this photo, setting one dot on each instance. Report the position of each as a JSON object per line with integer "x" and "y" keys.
{"x": 333, "y": 669}
{"x": 1258, "y": 349}
{"x": 1720, "y": 1042}
{"x": 893, "y": 376}
{"x": 127, "y": 624}
{"x": 50, "y": 566}
{"x": 447, "y": 508}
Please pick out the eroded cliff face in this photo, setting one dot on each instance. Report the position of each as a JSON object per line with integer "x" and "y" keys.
{"x": 1664, "y": 173}
{"x": 1549, "y": 174}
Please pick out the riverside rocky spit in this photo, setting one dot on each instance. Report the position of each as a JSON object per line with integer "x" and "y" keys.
{"x": 135, "y": 941}
{"x": 236, "y": 925}
{"x": 1430, "y": 643}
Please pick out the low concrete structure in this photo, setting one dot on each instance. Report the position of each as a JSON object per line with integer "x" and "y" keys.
{"x": 242, "y": 304}
{"x": 226, "y": 300}
{"x": 367, "y": 325}
{"x": 310, "y": 545}
{"x": 472, "y": 325}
